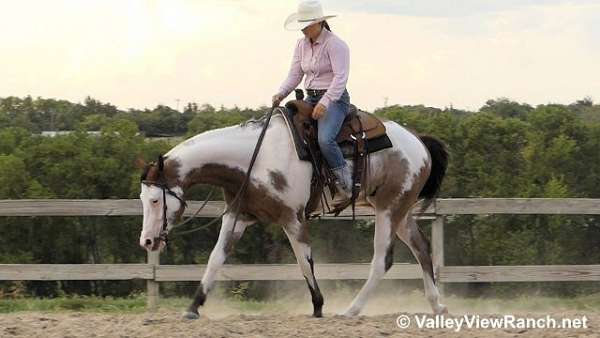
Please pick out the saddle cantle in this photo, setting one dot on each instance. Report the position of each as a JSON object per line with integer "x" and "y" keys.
{"x": 357, "y": 123}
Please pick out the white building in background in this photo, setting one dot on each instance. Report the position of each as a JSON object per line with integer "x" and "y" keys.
{"x": 53, "y": 133}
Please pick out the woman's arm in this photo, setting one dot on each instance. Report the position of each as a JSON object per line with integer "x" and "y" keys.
{"x": 295, "y": 74}
{"x": 339, "y": 55}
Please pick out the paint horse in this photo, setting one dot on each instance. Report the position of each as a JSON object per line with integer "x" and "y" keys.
{"x": 278, "y": 192}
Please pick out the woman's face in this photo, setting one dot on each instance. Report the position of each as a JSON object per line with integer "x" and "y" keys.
{"x": 312, "y": 31}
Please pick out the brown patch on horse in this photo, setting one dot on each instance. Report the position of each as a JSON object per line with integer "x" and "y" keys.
{"x": 392, "y": 182}
{"x": 169, "y": 175}
{"x": 278, "y": 180}
{"x": 390, "y": 196}
{"x": 419, "y": 241}
{"x": 257, "y": 201}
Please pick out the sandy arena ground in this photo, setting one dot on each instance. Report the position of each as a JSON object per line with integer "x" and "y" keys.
{"x": 169, "y": 324}
{"x": 289, "y": 317}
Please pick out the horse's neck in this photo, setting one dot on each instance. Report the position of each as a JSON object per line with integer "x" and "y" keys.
{"x": 229, "y": 147}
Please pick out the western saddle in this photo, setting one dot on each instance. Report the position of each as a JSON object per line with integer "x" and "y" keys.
{"x": 361, "y": 134}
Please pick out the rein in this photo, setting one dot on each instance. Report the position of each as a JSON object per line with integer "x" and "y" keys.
{"x": 242, "y": 190}
{"x": 237, "y": 199}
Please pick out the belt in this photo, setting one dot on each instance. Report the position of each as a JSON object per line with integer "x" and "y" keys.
{"x": 316, "y": 92}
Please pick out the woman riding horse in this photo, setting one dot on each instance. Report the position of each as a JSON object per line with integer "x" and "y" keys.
{"x": 278, "y": 190}
{"x": 324, "y": 58}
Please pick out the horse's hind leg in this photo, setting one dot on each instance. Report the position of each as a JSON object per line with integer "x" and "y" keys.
{"x": 217, "y": 258}
{"x": 298, "y": 236}
{"x": 382, "y": 260}
{"x": 412, "y": 236}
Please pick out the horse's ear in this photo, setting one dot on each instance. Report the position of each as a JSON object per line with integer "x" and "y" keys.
{"x": 139, "y": 162}
{"x": 161, "y": 163}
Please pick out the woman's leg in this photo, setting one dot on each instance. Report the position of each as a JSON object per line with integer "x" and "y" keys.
{"x": 329, "y": 127}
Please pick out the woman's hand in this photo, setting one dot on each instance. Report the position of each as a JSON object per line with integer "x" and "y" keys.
{"x": 277, "y": 98}
{"x": 319, "y": 111}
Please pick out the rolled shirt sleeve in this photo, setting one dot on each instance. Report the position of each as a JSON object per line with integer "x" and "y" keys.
{"x": 295, "y": 74}
{"x": 339, "y": 56}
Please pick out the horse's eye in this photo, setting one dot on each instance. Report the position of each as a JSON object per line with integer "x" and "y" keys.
{"x": 154, "y": 201}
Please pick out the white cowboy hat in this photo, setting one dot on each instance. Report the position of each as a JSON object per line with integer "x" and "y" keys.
{"x": 309, "y": 12}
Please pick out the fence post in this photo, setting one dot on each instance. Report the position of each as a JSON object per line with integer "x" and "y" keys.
{"x": 152, "y": 292}
{"x": 437, "y": 249}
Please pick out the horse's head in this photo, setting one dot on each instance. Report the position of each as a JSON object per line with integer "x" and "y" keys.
{"x": 162, "y": 203}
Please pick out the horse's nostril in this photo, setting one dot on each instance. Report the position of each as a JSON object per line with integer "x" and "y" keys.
{"x": 148, "y": 242}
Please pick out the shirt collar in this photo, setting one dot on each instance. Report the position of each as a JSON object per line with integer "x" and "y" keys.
{"x": 321, "y": 36}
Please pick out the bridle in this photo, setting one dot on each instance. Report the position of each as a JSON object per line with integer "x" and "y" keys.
{"x": 165, "y": 190}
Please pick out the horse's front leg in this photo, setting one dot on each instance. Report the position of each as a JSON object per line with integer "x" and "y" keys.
{"x": 297, "y": 233}
{"x": 217, "y": 258}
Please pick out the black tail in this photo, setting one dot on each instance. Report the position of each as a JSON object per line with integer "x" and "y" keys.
{"x": 439, "y": 164}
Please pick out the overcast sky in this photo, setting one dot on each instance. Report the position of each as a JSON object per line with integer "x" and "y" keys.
{"x": 140, "y": 53}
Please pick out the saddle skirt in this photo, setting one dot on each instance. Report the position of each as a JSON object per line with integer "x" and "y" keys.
{"x": 358, "y": 123}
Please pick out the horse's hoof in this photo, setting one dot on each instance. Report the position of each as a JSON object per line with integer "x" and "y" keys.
{"x": 441, "y": 310}
{"x": 351, "y": 312}
{"x": 189, "y": 315}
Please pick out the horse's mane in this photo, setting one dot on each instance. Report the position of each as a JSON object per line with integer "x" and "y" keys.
{"x": 257, "y": 122}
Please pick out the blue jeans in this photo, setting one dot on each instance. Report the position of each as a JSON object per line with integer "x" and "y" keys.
{"x": 329, "y": 126}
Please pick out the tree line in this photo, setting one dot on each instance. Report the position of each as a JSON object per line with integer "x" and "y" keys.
{"x": 37, "y": 115}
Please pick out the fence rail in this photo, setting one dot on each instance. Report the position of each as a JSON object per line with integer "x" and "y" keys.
{"x": 154, "y": 273}
{"x": 243, "y": 272}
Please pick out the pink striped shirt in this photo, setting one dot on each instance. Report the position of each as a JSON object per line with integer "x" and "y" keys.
{"x": 325, "y": 63}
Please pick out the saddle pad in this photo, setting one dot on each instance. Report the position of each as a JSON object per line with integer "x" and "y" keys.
{"x": 299, "y": 145}
{"x": 346, "y": 147}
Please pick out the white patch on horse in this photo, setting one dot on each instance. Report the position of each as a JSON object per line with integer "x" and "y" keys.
{"x": 411, "y": 148}
{"x": 234, "y": 146}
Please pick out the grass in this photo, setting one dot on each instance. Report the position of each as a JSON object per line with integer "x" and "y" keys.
{"x": 137, "y": 304}
{"x": 74, "y": 303}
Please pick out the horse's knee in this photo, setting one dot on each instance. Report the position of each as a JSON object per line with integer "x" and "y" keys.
{"x": 378, "y": 267}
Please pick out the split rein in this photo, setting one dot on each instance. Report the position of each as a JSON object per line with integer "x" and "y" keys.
{"x": 236, "y": 201}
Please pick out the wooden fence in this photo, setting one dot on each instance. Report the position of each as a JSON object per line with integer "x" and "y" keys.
{"x": 154, "y": 273}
